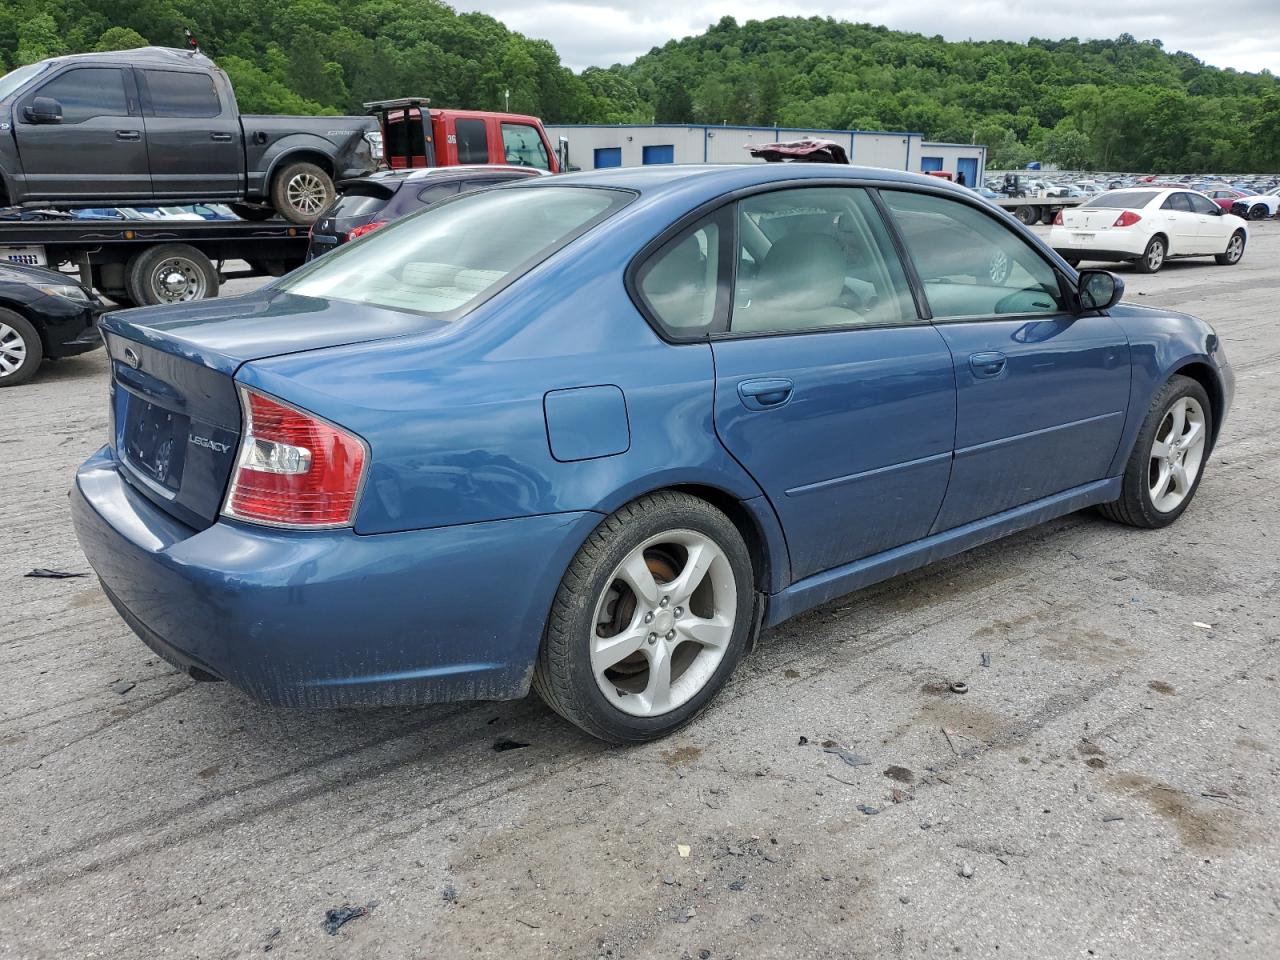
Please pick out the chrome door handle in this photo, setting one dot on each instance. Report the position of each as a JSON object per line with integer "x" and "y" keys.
{"x": 988, "y": 364}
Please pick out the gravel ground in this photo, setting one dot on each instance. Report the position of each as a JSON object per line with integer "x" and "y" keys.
{"x": 1108, "y": 787}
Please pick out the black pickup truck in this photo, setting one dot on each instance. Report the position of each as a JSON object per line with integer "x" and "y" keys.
{"x": 158, "y": 125}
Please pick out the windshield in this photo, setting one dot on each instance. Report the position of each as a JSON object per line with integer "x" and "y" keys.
{"x": 1123, "y": 200}
{"x": 450, "y": 255}
{"x": 12, "y": 80}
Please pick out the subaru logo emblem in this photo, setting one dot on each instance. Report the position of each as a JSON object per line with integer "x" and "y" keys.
{"x": 131, "y": 358}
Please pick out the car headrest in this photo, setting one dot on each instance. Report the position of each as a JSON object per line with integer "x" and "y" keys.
{"x": 804, "y": 271}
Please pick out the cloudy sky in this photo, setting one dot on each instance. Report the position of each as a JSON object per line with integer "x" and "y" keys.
{"x": 1244, "y": 34}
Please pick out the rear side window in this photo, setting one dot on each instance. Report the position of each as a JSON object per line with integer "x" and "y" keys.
{"x": 437, "y": 192}
{"x": 176, "y": 93}
{"x": 1122, "y": 200}
{"x": 813, "y": 258}
{"x": 448, "y": 257}
{"x": 523, "y": 147}
{"x": 473, "y": 141}
{"x": 88, "y": 92}
{"x": 971, "y": 264}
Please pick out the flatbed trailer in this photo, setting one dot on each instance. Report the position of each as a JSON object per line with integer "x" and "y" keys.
{"x": 1037, "y": 209}
{"x": 144, "y": 262}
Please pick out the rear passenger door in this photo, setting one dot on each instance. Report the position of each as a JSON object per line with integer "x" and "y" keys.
{"x": 1183, "y": 225}
{"x": 830, "y": 390}
{"x": 194, "y": 140}
{"x": 1042, "y": 392}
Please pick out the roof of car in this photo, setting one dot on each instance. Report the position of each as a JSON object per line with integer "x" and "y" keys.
{"x": 661, "y": 178}
{"x": 143, "y": 55}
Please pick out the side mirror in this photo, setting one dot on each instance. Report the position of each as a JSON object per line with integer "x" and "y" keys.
{"x": 43, "y": 110}
{"x": 1099, "y": 290}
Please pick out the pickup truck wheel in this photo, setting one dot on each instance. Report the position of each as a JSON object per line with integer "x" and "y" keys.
{"x": 256, "y": 214}
{"x": 301, "y": 191}
{"x": 20, "y": 349}
{"x": 170, "y": 273}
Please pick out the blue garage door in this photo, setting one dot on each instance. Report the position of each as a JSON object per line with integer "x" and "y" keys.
{"x": 660, "y": 153}
{"x": 930, "y": 163}
{"x": 969, "y": 167}
{"x": 608, "y": 157}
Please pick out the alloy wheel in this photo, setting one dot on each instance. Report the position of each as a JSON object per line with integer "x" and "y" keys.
{"x": 1235, "y": 249}
{"x": 13, "y": 350}
{"x": 1177, "y": 453}
{"x": 306, "y": 193}
{"x": 663, "y": 623}
{"x": 1155, "y": 256}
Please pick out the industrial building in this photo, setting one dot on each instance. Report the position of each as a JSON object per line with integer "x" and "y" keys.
{"x": 592, "y": 146}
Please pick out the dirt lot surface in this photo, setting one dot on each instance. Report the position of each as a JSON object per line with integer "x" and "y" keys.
{"x": 1108, "y": 787}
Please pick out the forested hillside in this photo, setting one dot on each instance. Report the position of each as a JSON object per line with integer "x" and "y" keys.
{"x": 1106, "y": 104}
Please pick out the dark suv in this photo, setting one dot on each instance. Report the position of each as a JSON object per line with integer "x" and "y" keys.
{"x": 369, "y": 202}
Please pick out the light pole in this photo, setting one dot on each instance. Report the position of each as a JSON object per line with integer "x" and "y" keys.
{"x": 506, "y": 100}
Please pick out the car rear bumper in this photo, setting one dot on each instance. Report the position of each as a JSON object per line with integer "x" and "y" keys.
{"x": 329, "y": 618}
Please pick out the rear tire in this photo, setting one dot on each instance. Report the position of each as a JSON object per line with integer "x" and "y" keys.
{"x": 1234, "y": 251}
{"x": 1138, "y": 506}
{"x": 170, "y": 273}
{"x": 1153, "y": 257}
{"x": 1027, "y": 214}
{"x": 630, "y": 664}
{"x": 21, "y": 349}
{"x": 301, "y": 191}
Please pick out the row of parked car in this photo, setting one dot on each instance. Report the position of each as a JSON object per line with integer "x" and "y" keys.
{"x": 1253, "y": 197}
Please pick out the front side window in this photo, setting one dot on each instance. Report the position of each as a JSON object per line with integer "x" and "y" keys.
{"x": 1177, "y": 202}
{"x": 680, "y": 283}
{"x": 813, "y": 258}
{"x": 1201, "y": 204}
{"x": 450, "y": 256}
{"x": 88, "y": 92}
{"x": 523, "y": 147}
{"x": 971, "y": 264}
{"x": 473, "y": 141}
{"x": 179, "y": 94}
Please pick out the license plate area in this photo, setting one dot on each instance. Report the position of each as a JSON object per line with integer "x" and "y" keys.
{"x": 155, "y": 442}
{"x": 1083, "y": 237}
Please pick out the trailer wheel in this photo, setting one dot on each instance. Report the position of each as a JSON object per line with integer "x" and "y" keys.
{"x": 256, "y": 214}
{"x": 170, "y": 273}
{"x": 1027, "y": 214}
{"x": 301, "y": 191}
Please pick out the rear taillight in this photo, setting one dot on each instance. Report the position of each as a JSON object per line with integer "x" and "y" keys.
{"x": 1057, "y": 219}
{"x": 293, "y": 469}
{"x": 360, "y": 231}
{"x": 1126, "y": 219}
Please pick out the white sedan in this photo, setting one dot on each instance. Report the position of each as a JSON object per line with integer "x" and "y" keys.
{"x": 1258, "y": 207}
{"x": 1146, "y": 226}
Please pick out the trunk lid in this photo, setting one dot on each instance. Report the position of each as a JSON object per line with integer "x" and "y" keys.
{"x": 1089, "y": 218}
{"x": 175, "y": 409}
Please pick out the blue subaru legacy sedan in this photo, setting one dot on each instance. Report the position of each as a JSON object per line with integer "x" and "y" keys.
{"x": 592, "y": 433}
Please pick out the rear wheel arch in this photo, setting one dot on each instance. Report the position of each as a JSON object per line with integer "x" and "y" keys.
{"x": 297, "y": 155}
{"x": 748, "y": 525}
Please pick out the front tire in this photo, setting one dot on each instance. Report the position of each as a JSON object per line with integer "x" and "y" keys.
{"x": 1234, "y": 251}
{"x": 301, "y": 191}
{"x": 20, "y": 349}
{"x": 1153, "y": 257}
{"x": 651, "y": 618}
{"x": 1258, "y": 211}
{"x": 1164, "y": 470}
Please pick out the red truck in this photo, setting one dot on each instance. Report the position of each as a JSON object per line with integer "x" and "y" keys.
{"x": 453, "y": 137}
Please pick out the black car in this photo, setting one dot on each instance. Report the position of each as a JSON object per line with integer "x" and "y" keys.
{"x": 368, "y": 202}
{"x": 43, "y": 315}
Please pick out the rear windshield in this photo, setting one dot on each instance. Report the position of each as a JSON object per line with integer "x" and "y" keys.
{"x": 357, "y": 205}
{"x": 1123, "y": 199}
{"x": 443, "y": 259}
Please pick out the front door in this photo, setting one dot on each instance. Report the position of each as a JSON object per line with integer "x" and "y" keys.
{"x": 97, "y": 150}
{"x": 194, "y": 141}
{"x": 1041, "y": 392}
{"x": 830, "y": 389}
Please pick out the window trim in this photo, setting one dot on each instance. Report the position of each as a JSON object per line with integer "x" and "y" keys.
{"x": 1002, "y": 219}
{"x": 719, "y": 327}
